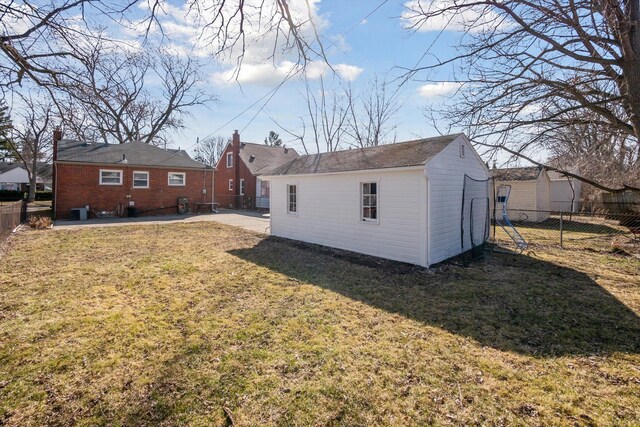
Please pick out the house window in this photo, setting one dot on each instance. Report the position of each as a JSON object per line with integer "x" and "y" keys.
{"x": 264, "y": 188}
{"x": 242, "y": 187}
{"x": 369, "y": 201}
{"x": 110, "y": 177}
{"x": 177, "y": 178}
{"x": 292, "y": 199}
{"x": 140, "y": 179}
{"x": 229, "y": 160}
{"x": 461, "y": 150}
{"x": 230, "y": 185}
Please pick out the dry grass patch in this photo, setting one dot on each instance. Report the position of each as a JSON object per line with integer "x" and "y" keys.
{"x": 204, "y": 324}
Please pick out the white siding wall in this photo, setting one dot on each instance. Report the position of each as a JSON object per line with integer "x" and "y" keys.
{"x": 525, "y": 199}
{"x": 329, "y": 213}
{"x": 542, "y": 197}
{"x": 446, "y": 178}
{"x": 561, "y": 195}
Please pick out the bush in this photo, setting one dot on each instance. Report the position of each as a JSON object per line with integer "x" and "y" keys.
{"x": 39, "y": 222}
{"x": 10, "y": 195}
{"x": 44, "y": 195}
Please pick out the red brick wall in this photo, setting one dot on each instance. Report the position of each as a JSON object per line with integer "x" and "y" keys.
{"x": 232, "y": 198}
{"x": 79, "y": 185}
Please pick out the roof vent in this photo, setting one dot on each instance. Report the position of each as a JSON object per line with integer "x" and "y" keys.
{"x": 251, "y": 159}
{"x": 286, "y": 150}
{"x": 87, "y": 143}
{"x": 242, "y": 144}
{"x": 124, "y": 159}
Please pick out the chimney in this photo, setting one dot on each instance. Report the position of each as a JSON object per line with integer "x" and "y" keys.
{"x": 235, "y": 149}
{"x": 57, "y": 137}
{"x": 494, "y": 165}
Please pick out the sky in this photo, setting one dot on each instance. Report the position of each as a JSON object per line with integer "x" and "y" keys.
{"x": 364, "y": 39}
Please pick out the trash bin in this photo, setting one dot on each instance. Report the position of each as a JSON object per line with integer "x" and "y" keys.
{"x": 78, "y": 214}
{"x": 132, "y": 212}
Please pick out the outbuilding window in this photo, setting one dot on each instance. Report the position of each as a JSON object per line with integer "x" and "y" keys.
{"x": 110, "y": 177}
{"x": 140, "y": 179}
{"x": 177, "y": 178}
{"x": 369, "y": 201}
{"x": 292, "y": 198}
{"x": 229, "y": 160}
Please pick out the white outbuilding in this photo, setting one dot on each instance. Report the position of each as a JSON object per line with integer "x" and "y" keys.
{"x": 530, "y": 192}
{"x": 400, "y": 201}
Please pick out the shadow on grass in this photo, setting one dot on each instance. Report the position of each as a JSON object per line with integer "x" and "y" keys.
{"x": 553, "y": 224}
{"x": 508, "y": 302}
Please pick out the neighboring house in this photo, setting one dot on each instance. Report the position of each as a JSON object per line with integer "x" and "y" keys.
{"x": 108, "y": 177}
{"x": 529, "y": 197}
{"x": 14, "y": 177}
{"x": 399, "y": 201}
{"x": 237, "y": 184}
{"x": 565, "y": 193}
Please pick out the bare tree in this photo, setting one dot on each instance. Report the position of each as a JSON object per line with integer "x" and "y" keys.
{"x": 328, "y": 113}
{"x": 38, "y": 38}
{"x": 598, "y": 155}
{"x": 529, "y": 68}
{"x": 32, "y": 139}
{"x": 111, "y": 97}
{"x": 371, "y": 114}
{"x": 210, "y": 149}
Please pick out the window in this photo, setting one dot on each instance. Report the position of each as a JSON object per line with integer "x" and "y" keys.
{"x": 230, "y": 185}
{"x": 462, "y": 150}
{"x": 264, "y": 188}
{"x": 229, "y": 160}
{"x": 242, "y": 187}
{"x": 292, "y": 198}
{"x": 369, "y": 201}
{"x": 140, "y": 179}
{"x": 110, "y": 177}
{"x": 177, "y": 178}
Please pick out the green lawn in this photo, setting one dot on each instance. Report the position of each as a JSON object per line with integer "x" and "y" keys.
{"x": 205, "y": 324}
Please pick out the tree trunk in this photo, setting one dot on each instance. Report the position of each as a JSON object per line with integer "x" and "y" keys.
{"x": 33, "y": 179}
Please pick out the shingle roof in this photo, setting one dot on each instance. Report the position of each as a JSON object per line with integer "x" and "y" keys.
{"x": 135, "y": 153}
{"x": 7, "y": 166}
{"x": 260, "y": 157}
{"x": 398, "y": 155}
{"x": 517, "y": 174}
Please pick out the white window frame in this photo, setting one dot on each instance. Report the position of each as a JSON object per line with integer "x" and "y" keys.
{"x": 363, "y": 219}
{"x": 111, "y": 183}
{"x": 242, "y": 186}
{"x": 289, "y": 211}
{"x": 229, "y": 160}
{"x": 184, "y": 179}
{"x": 462, "y": 149}
{"x": 230, "y": 185}
{"x": 133, "y": 179}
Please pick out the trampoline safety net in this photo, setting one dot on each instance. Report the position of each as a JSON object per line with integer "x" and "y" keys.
{"x": 475, "y": 218}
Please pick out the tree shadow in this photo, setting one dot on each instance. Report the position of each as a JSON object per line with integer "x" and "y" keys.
{"x": 506, "y": 301}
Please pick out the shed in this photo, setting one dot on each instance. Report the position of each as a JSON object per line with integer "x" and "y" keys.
{"x": 565, "y": 194}
{"x": 398, "y": 201}
{"x": 529, "y": 197}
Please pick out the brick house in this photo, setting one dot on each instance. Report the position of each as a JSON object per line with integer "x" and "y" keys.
{"x": 237, "y": 183}
{"x": 113, "y": 177}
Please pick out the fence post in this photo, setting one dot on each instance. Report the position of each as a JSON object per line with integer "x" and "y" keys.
{"x": 561, "y": 236}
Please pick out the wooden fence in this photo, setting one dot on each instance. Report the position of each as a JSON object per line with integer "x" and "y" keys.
{"x": 11, "y": 215}
{"x": 627, "y": 201}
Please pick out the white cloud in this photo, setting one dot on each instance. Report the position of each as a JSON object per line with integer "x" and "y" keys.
{"x": 472, "y": 18}
{"x": 432, "y": 90}
{"x": 348, "y": 72}
{"x": 268, "y": 74}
